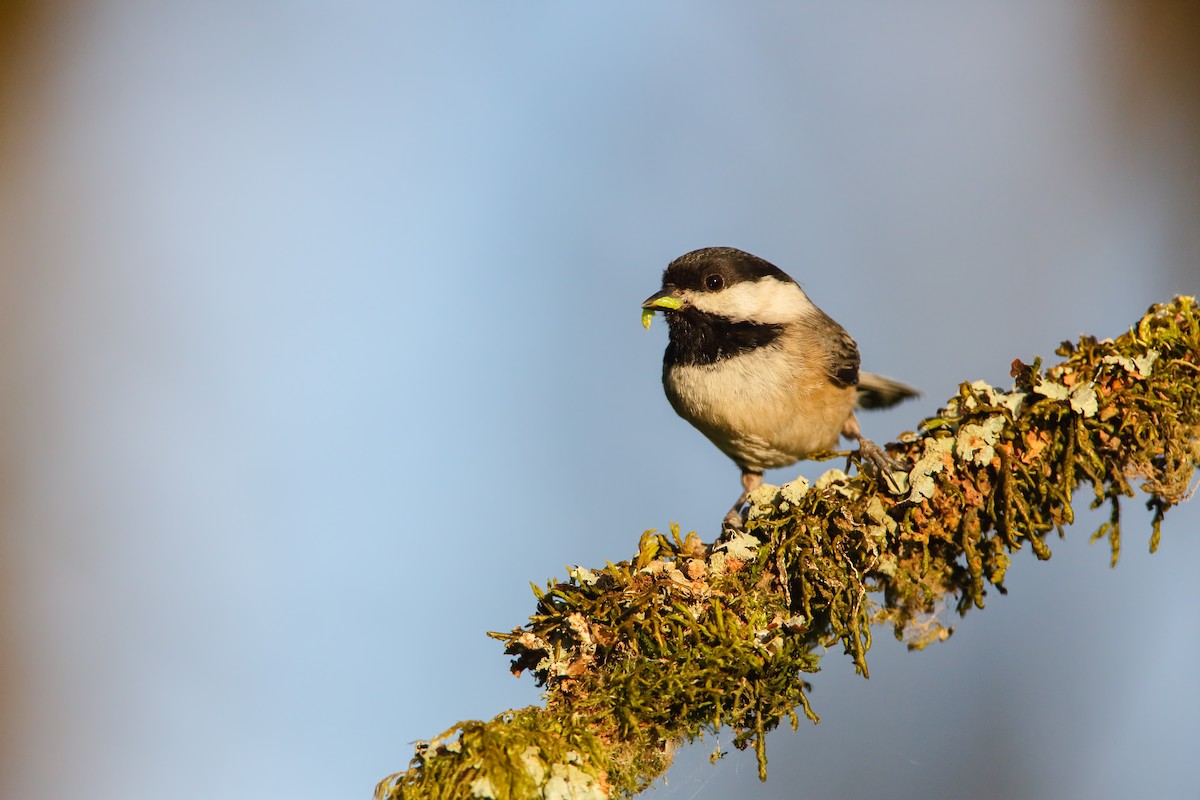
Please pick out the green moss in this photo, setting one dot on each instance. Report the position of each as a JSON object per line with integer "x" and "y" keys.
{"x": 520, "y": 754}
{"x": 685, "y": 638}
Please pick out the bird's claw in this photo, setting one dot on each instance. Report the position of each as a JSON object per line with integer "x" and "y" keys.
{"x": 874, "y": 461}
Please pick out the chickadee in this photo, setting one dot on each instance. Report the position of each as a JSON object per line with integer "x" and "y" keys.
{"x": 756, "y": 367}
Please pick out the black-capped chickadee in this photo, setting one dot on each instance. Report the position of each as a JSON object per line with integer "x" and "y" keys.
{"x": 756, "y": 367}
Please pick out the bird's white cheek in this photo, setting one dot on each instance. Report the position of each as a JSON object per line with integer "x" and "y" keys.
{"x": 766, "y": 301}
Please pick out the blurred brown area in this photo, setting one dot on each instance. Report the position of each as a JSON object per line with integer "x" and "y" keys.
{"x": 26, "y": 56}
{"x": 25, "y": 52}
{"x": 1155, "y": 80}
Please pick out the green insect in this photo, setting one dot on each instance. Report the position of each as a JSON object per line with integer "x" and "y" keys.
{"x": 671, "y": 303}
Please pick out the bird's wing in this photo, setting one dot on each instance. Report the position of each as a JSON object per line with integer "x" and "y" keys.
{"x": 841, "y": 359}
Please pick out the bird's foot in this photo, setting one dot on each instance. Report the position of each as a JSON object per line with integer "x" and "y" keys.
{"x": 733, "y": 522}
{"x": 875, "y": 461}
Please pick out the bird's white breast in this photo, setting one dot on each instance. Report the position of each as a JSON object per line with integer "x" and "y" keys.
{"x": 763, "y": 409}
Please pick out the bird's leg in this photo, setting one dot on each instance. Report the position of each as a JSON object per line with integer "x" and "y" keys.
{"x": 750, "y": 482}
{"x": 872, "y": 458}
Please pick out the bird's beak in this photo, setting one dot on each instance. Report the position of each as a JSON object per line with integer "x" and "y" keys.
{"x": 666, "y": 300}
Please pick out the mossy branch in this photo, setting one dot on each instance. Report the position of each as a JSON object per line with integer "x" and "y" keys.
{"x": 687, "y": 637}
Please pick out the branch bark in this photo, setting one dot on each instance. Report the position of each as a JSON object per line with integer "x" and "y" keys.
{"x": 686, "y": 637}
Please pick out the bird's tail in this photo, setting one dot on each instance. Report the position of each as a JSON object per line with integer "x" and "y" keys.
{"x": 876, "y": 391}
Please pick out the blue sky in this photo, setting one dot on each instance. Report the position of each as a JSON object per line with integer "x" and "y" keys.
{"x": 325, "y": 343}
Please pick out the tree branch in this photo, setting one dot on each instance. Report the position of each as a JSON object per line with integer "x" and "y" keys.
{"x": 687, "y": 637}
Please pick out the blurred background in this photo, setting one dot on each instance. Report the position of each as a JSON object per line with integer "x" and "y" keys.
{"x": 319, "y": 334}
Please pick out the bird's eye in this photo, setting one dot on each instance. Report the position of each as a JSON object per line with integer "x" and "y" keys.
{"x": 714, "y": 282}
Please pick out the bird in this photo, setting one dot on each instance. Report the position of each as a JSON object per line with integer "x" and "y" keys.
{"x": 754, "y": 365}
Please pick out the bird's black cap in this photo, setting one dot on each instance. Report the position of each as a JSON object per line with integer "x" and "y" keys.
{"x": 691, "y": 270}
